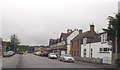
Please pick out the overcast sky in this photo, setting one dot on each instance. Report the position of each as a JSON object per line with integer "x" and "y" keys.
{"x": 36, "y": 21}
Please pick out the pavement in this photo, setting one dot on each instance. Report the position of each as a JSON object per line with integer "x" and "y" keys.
{"x": 33, "y": 61}
{"x": 96, "y": 64}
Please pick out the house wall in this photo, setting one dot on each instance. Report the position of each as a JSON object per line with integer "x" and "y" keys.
{"x": 75, "y": 49}
{"x": 69, "y": 38}
{"x": 96, "y": 51}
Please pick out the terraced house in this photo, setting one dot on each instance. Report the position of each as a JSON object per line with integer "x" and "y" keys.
{"x": 78, "y": 40}
{"x": 96, "y": 49}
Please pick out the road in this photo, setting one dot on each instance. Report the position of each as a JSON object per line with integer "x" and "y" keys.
{"x": 0, "y": 62}
{"x": 33, "y": 61}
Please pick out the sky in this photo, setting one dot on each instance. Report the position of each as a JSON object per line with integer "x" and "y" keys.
{"x": 36, "y": 21}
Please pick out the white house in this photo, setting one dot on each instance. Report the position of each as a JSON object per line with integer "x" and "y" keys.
{"x": 70, "y": 37}
{"x": 97, "y": 47}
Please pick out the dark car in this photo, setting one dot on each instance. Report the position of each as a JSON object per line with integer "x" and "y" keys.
{"x": 20, "y": 52}
{"x": 117, "y": 62}
{"x": 44, "y": 54}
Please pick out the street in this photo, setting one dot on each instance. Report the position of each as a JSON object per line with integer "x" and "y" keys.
{"x": 0, "y": 62}
{"x": 33, "y": 61}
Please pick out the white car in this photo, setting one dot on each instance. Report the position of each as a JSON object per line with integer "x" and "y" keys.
{"x": 37, "y": 53}
{"x": 10, "y": 53}
{"x": 52, "y": 55}
{"x": 6, "y": 54}
{"x": 67, "y": 58}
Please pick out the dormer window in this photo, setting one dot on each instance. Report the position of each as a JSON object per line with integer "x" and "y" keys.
{"x": 103, "y": 38}
{"x": 84, "y": 41}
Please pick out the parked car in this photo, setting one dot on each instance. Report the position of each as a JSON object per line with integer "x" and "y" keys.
{"x": 6, "y": 54}
{"x": 44, "y": 53}
{"x": 20, "y": 52}
{"x": 52, "y": 56}
{"x": 37, "y": 53}
{"x": 11, "y": 53}
{"x": 66, "y": 58}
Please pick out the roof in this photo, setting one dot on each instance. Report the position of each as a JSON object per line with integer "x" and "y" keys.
{"x": 85, "y": 34}
{"x": 53, "y": 41}
{"x": 72, "y": 32}
{"x": 64, "y": 36}
{"x": 96, "y": 38}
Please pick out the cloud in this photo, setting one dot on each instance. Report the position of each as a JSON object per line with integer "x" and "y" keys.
{"x": 35, "y": 21}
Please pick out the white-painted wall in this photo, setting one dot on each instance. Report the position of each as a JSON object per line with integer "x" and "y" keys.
{"x": 96, "y": 49}
{"x": 69, "y": 38}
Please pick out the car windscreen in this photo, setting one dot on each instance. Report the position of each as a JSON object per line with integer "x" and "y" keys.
{"x": 67, "y": 55}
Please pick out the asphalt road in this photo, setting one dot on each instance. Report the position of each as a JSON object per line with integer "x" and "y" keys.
{"x": 33, "y": 61}
{"x": 0, "y": 62}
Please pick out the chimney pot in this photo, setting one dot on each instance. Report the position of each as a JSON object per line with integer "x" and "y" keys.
{"x": 69, "y": 30}
{"x": 80, "y": 31}
{"x": 92, "y": 27}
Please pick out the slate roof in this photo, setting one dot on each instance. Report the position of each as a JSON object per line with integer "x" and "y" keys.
{"x": 64, "y": 36}
{"x": 96, "y": 38}
{"x": 84, "y": 34}
{"x": 53, "y": 41}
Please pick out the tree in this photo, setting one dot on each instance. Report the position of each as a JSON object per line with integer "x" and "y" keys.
{"x": 14, "y": 42}
{"x": 113, "y": 31}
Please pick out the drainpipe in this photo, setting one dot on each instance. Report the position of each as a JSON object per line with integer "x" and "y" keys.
{"x": 90, "y": 50}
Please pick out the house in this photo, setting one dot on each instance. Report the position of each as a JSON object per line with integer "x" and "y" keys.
{"x": 97, "y": 47}
{"x": 53, "y": 45}
{"x": 59, "y": 45}
{"x": 75, "y": 50}
{"x": 70, "y": 37}
{"x": 63, "y": 42}
{"x": 40, "y": 48}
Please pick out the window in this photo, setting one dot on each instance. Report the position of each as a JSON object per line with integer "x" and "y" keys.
{"x": 84, "y": 54}
{"x": 74, "y": 53}
{"x": 91, "y": 52}
{"x": 104, "y": 50}
{"x": 84, "y": 41}
{"x": 100, "y": 49}
{"x": 77, "y": 53}
{"x": 103, "y": 38}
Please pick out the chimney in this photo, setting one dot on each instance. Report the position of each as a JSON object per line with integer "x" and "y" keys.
{"x": 80, "y": 31}
{"x": 69, "y": 30}
{"x": 92, "y": 27}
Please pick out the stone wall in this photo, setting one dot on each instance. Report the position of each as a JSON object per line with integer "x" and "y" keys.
{"x": 92, "y": 60}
